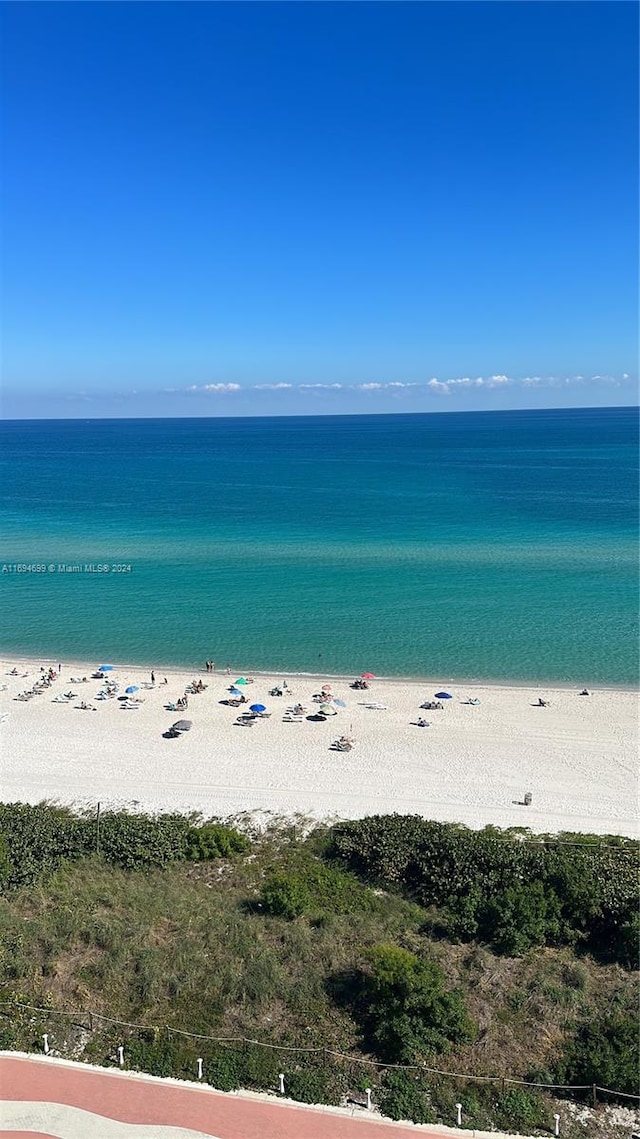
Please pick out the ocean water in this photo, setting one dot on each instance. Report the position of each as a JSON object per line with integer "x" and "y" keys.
{"x": 482, "y": 545}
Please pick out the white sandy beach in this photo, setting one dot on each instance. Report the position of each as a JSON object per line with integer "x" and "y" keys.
{"x": 473, "y": 764}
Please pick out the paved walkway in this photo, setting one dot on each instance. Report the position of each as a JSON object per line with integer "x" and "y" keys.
{"x": 45, "y": 1098}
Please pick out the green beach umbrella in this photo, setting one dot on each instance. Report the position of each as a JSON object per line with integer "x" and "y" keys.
{"x": 327, "y": 710}
{"x": 241, "y": 680}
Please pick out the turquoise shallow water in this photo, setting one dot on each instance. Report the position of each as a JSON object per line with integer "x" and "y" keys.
{"x": 491, "y": 545}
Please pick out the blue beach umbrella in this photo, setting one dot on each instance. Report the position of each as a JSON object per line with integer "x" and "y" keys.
{"x": 106, "y": 668}
{"x": 340, "y": 703}
{"x": 444, "y": 696}
{"x": 132, "y": 688}
{"x": 257, "y": 708}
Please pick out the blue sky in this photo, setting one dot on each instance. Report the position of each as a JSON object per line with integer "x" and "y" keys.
{"x": 239, "y": 208}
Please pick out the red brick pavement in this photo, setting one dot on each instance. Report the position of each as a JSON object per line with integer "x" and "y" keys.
{"x": 128, "y": 1099}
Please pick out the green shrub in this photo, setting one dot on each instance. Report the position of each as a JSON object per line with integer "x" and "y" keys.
{"x": 260, "y": 1068}
{"x": 520, "y": 918}
{"x": 409, "y": 1012}
{"x": 403, "y": 1096}
{"x": 604, "y": 1051}
{"x": 312, "y": 1085}
{"x": 545, "y": 890}
{"x": 223, "y": 1069}
{"x": 154, "y": 1053}
{"x": 519, "y": 1110}
{"x": 213, "y": 840}
{"x": 314, "y": 889}
{"x": 36, "y": 840}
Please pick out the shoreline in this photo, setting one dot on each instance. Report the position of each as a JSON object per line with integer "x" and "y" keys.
{"x": 7, "y": 657}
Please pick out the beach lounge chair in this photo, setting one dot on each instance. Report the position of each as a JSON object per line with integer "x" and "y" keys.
{"x": 344, "y": 743}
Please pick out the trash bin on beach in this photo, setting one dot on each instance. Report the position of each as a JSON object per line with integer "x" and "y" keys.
{"x": 527, "y": 799}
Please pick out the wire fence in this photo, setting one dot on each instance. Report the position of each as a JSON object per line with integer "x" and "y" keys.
{"x": 91, "y": 1021}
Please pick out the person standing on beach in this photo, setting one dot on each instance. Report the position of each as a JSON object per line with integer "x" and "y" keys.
{"x": 153, "y": 678}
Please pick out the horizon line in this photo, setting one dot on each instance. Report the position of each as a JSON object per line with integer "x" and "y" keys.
{"x": 313, "y": 415}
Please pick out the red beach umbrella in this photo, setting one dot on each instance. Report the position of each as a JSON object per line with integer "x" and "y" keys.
{"x": 367, "y": 675}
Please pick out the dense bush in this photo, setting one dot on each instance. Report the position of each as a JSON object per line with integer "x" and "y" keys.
{"x": 314, "y": 889}
{"x": 313, "y": 1085}
{"x": 213, "y": 840}
{"x": 407, "y": 1009}
{"x": 517, "y": 1109}
{"x": 403, "y": 1096}
{"x": 509, "y": 888}
{"x": 604, "y": 1052}
{"x": 36, "y": 840}
{"x": 520, "y": 917}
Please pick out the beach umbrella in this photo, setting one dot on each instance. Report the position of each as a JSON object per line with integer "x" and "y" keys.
{"x": 132, "y": 688}
{"x": 181, "y": 726}
{"x": 367, "y": 675}
{"x": 327, "y": 710}
{"x": 257, "y": 708}
{"x": 241, "y": 680}
{"x": 106, "y": 668}
{"x": 340, "y": 703}
{"x": 444, "y": 696}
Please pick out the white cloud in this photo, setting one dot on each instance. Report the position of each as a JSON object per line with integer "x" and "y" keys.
{"x": 320, "y": 387}
{"x": 439, "y": 387}
{"x": 446, "y": 387}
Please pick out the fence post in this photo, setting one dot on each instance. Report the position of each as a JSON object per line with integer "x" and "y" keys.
{"x": 45, "y": 1037}
{"x": 281, "y": 1083}
{"x": 556, "y": 1122}
{"x": 367, "y": 1092}
{"x": 199, "y": 1067}
{"x": 459, "y": 1111}
{"x": 121, "y": 1056}
{"x": 594, "y": 1093}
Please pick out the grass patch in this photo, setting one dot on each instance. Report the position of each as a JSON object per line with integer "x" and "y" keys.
{"x": 289, "y": 949}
